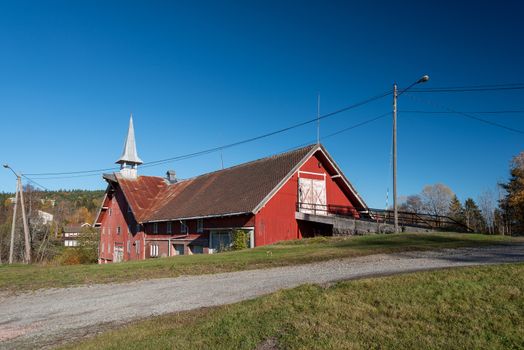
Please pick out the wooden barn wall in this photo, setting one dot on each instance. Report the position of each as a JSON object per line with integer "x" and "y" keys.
{"x": 128, "y": 230}
{"x": 276, "y": 220}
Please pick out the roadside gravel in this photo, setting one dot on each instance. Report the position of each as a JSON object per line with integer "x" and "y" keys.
{"x": 45, "y": 318}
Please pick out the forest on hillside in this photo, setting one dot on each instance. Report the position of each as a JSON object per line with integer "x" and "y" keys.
{"x": 65, "y": 206}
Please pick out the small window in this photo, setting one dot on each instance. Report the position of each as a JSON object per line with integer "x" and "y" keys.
{"x": 155, "y": 228}
{"x": 168, "y": 227}
{"x": 103, "y": 247}
{"x": 118, "y": 230}
{"x": 110, "y": 211}
{"x": 183, "y": 226}
{"x": 128, "y": 247}
{"x": 200, "y": 225}
{"x": 137, "y": 247}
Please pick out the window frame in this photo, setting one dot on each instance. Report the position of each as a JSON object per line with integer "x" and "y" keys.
{"x": 183, "y": 227}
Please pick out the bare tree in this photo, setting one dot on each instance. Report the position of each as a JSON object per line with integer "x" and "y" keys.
{"x": 487, "y": 204}
{"x": 414, "y": 204}
{"x": 436, "y": 199}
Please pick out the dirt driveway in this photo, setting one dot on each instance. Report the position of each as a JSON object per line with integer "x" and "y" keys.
{"x": 48, "y": 317}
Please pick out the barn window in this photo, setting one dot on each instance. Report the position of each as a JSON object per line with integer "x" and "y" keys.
{"x": 183, "y": 226}
{"x": 128, "y": 246}
{"x": 153, "y": 250}
{"x": 110, "y": 211}
{"x": 200, "y": 225}
{"x": 155, "y": 228}
{"x": 103, "y": 247}
{"x": 118, "y": 230}
{"x": 137, "y": 247}
{"x": 168, "y": 227}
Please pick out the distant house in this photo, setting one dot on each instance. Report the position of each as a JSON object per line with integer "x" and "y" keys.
{"x": 72, "y": 233}
{"x": 270, "y": 199}
{"x": 48, "y": 201}
{"x": 45, "y": 217}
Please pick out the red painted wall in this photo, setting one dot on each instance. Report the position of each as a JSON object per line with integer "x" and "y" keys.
{"x": 276, "y": 220}
{"x": 117, "y": 216}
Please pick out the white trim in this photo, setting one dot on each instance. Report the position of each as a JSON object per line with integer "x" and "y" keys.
{"x": 346, "y": 181}
{"x": 310, "y": 173}
{"x": 285, "y": 180}
{"x": 297, "y": 167}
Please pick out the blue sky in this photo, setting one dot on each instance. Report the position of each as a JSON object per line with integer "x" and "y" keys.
{"x": 197, "y": 75}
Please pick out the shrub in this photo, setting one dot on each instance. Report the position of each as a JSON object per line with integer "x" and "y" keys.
{"x": 240, "y": 240}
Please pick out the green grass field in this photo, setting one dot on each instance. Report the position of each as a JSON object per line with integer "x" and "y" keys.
{"x": 463, "y": 308}
{"x": 29, "y": 277}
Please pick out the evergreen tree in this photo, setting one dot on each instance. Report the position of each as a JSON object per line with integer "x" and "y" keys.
{"x": 473, "y": 216}
{"x": 456, "y": 211}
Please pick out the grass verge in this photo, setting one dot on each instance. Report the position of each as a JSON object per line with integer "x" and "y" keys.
{"x": 30, "y": 277}
{"x": 463, "y": 308}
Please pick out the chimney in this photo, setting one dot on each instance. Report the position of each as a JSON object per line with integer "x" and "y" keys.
{"x": 171, "y": 176}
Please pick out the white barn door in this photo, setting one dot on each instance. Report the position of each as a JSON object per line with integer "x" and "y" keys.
{"x": 312, "y": 196}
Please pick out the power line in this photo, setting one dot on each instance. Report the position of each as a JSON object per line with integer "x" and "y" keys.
{"x": 342, "y": 131}
{"x": 34, "y": 182}
{"x": 477, "y": 112}
{"x": 501, "y": 85}
{"x": 219, "y": 148}
{"x": 469, "y": 115}
{"x": 367, "y": 121}
{"x": 468, "y": 89}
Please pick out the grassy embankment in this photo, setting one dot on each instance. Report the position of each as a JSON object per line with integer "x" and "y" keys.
{"x": 463, "y": 308}
{"x": 28, "y": 277}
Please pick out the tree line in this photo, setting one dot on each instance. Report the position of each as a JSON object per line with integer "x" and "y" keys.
{"x": 500, "y": 212}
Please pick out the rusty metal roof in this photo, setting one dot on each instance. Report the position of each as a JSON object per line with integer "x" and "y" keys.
{"x": 236, "y": 190}
{"x": 141, "y": 193}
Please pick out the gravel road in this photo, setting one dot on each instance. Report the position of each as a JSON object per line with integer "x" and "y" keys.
{"x": 48, "y": 317}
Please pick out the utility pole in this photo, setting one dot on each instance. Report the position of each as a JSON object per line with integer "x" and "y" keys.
{"x": 19, "y": 190}
{"x": 395, "y": 208}
{"x": 11, "y": 246}
{"x": 396, "y": 94}
{"x": 27, "y": 256}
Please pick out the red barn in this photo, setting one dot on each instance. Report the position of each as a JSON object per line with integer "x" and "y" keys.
{"x": 269, "y": 199}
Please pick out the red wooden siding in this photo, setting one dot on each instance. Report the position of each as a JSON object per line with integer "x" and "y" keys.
{"x": 276, "y": 220}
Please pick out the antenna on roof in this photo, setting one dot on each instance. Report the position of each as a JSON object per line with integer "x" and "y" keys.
{"x": 318, "y": 118}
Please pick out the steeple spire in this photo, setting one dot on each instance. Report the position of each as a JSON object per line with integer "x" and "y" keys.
{"x": 129, "y": 159}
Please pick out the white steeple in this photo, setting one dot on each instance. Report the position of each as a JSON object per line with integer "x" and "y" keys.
{"x": 129, "y": 159}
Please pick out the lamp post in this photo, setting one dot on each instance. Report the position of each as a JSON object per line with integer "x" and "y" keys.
{"x": 396, "y": 94}
{"x": 19, "y": 190}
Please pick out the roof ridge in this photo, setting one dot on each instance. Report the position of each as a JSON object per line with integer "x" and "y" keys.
{"x": 253, "y": 161}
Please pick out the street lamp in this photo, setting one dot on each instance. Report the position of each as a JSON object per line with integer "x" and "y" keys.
{"x": 19, "y": 190}
{"x": 396, "y": 94}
